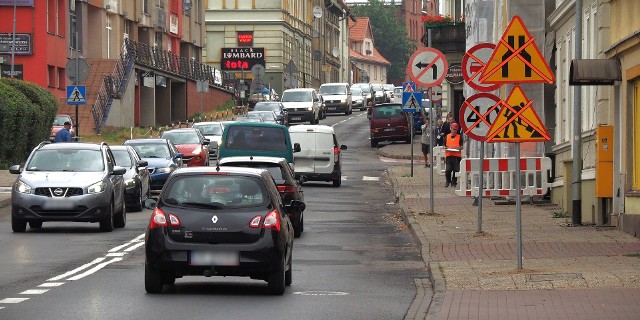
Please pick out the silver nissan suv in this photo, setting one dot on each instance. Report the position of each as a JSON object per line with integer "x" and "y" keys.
{"x": 68, "y": 182}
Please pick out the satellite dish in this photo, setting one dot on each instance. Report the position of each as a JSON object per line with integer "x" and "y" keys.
{"x": 335, "y": 52}
{"x": 317, "y": 12}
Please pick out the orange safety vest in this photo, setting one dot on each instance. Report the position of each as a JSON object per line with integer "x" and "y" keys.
{"x": 452, "y": 142}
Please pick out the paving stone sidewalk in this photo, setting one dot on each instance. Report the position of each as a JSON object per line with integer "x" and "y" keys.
{"x": 567, "y": 272}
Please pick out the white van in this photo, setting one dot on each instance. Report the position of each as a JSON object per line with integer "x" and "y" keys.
{"x": 320, "y": 153}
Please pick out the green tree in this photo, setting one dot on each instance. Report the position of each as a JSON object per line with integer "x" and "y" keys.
{"x": 390, "y": 36}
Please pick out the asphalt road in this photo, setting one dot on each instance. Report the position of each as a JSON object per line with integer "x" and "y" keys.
{"x": 355, "y": 260}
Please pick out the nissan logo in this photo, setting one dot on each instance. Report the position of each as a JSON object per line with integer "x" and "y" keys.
{"x": 58, "y": 192}
{"x": 214, "y": 219}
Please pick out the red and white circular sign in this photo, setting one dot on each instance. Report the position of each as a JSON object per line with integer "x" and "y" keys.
{"x": 478, "y": 113}
{"x": 435, "y": 93}
{"x": 427, "y": 67}
{"x": 473, "y": 62}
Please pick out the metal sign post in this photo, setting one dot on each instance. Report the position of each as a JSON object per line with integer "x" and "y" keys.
{"x": 518, "y": 209}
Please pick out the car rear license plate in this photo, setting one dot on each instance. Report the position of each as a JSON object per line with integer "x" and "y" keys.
{"x": 209, "y": 258}
{"x": 296, "y": 118}
{"x": 389, "y": 129}
{"x": 332, "y": 108}
{"x": 58, "y": 204}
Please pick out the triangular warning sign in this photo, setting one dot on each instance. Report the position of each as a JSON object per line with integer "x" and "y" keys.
{"x": 517, "y": 121}
{"x": 516, "y": 58}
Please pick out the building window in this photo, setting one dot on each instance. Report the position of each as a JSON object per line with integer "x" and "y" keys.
{"x": 375, "y": 72}
{"x": 51, "y": 76}
{"x": 635, "y": 184}
{"x": 158, "y": 40}
{"x": 61, "y": 78}
{"x": 145, "y": 6}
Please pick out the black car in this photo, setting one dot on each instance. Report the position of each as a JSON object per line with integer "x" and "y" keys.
{"x": 137, "y": 182}
{"x": 290, "y": 188}
{"x": 277, "y": 107}
{"x": 219, "y": 221}
{"x": 162, "y": 157}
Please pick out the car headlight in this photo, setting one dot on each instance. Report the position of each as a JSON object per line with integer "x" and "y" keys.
{"x": 164, "y": 170}
{"x": 197, "y": 150}
{"x": 310, "y": 108}
{"x": 130, "y": 182}
{"x": 97, "y": 187}
{"x": 23, "y": 187}
{"x": 343, "y": 100}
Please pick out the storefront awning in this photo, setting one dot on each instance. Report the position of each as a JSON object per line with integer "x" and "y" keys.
{"x": 594, "y": 72}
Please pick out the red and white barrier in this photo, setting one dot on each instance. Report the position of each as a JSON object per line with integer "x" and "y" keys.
{"x": 500, "y": 174}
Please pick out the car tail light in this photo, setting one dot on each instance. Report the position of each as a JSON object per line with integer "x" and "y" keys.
{"x": 158, "y": 219}
{"x": 336, "y": 154}
{"x": 173, "y": 220}
{"x": 271, "y": 221}
{"x": 255, "y": 222}
{"x": 287, "y": 189}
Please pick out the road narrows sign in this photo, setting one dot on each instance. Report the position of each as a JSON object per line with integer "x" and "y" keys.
{"x": 478, "y": 114}
{"x": 517, "y": 58}
{"x": 517, "y": 121}
{"x": 427, "y": 67}
{"x": 473, "y": 62}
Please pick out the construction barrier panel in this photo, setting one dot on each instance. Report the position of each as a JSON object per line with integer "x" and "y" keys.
{"x": 500, "y": 174}
{"x": 438, "y": 160}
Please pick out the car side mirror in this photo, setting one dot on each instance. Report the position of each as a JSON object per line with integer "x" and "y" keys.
{"x": 297, "y": 205}
{"x": 206, "y": 142}
{"x": 302, "y": 179}
{"x": 150, "y": 203}
{"x": 296, "y": 147}
{"x": 15, "y": 169}
{"x": 179, "y": 155}
{"x": 343, "y": 147}
{"x": 142, "y": 163}
{"x": 118, "y": 170}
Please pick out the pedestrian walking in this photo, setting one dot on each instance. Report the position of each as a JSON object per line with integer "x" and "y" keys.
{"x": 453, "y": 155}
{"x": 63, "y": 135}
{"x": 425, "y": 140}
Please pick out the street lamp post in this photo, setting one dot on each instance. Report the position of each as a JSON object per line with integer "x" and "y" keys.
{"x": 13, "y": 41}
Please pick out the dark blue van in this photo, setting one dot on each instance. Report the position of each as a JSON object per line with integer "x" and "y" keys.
{"x": 257, "y": 139}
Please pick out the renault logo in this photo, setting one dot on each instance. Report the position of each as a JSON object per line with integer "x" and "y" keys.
{"x": 214, "y": 219}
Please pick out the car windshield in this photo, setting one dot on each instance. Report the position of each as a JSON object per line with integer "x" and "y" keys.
{"x": 76, "y": 160}
{"x": 356, "y": 91}
{"x": 397, "y": 90}
{"x": 257, "y": 139}
{"x": 209, "y": 129}
{"x": 296, "y": 96}
{"x": 266, "y": 115}
{"x": 391, "y": 111}
{"x": 214, "y": 192}
{"x": 152, "y": 150}
{"x": 267, "y": 107}
{"x": 123, "y": 158}
{"x": 185, "y": 137}
{"x": 273, "y": 168}
{"x": 365, "y": 88}
{"x": 377, "y": 87}
{"x": 328, "y": 89}
{"x": 60, "y": 120}
{"x": 388, "y": 87}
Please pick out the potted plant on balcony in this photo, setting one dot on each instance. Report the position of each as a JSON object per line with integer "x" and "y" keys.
{"x": 440, "y": 21}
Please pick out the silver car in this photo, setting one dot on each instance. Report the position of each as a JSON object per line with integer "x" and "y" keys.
{"x": 68, "y": 182}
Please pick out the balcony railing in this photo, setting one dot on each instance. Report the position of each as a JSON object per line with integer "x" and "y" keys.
{"x": 446, "y": 38}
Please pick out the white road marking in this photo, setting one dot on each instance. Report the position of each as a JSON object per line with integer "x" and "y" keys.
{"x": 76, "y": 270}
{"x": 34, "y": 291}
{"x": 365, "y": 178}
{"x": 13, "y": 300}
{"x": 135, "y": 246}
{"x": 51, "y": 284}
{"x": 116, "y": 254}
{"x": 94, "y": 269}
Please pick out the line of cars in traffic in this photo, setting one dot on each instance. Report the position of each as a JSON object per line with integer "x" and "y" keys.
{"x": 238, "y": 217}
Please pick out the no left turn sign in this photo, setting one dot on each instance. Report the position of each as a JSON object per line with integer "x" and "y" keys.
{"x": 478, "y": 114}
{"x": 427, "y": 67}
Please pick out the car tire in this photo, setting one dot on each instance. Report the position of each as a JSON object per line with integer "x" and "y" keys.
{"x": 374, "y": 143}
{"x": 140, "y": 203}
{"x": 297, "y": 227}
{"x": 120, "y": 219}
{"x": 338, "y": 181}
{"x": 18, "y": 225}
{"x": 276, "y": 279}
{"x": 288, "y": 275}
{"x": 35, "y": 224}
{"x": 106, "y": 224}
{"x": 152, "y": 279}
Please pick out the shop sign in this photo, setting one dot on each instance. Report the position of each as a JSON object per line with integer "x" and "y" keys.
{"x": 237, "y": 59}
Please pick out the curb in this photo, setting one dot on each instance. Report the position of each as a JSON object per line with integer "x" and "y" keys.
{"x": 5, "y": 203}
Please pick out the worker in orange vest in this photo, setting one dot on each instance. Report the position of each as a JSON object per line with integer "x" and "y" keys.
{"x": 453, "y": 155}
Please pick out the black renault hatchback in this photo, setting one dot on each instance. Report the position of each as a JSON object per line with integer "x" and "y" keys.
{"x": 219, "y": 221}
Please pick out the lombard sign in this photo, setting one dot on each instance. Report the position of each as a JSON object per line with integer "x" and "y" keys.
{"x": 237, "y": 59}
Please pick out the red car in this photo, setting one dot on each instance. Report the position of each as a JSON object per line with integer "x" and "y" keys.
{"x": 58, "y": 123}
{"x": 387, "y": 122}
{"x": 191, "y": 143}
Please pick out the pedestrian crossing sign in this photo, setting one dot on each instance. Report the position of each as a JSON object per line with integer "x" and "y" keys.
{"x": 517, "y": 121}
{"x": 411, "y": 101}
{"x": 76, "y": 95}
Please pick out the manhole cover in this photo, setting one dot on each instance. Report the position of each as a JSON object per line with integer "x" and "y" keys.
{"x": 553, "y": 277}
{"x": 321, "y": 293}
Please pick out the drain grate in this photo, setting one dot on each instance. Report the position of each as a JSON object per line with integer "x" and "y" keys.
{"x": 554, "y": 277}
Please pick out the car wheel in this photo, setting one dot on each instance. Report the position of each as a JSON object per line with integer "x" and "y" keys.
{"x": 288, "y": 275}
{"x": 407, "y": 140}
{"x": 35, "y": 224}
{"x": 152, "y": 279}
{"x": 106, "y": 224}
{"x": 18, "y": 225}
{"x": 277, "y": 279}
{"x": 338, "y": 181}
{"x": 121, "y": 217}
{"x": 140, "y": 203}
{"x": 297, "y": 227}
{"x": 374, "y": 143}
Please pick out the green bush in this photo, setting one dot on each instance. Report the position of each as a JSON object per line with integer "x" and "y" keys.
{"x": 26, "y": 114}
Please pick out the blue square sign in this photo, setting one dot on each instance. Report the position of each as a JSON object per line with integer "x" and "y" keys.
{"x": 76, "y": 95}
